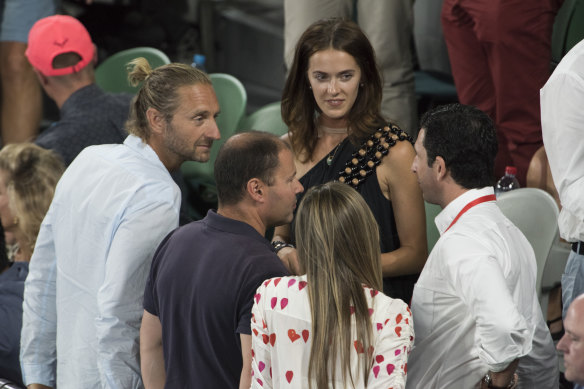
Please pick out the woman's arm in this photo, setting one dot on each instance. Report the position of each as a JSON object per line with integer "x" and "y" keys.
{"x": 399, "y": 184}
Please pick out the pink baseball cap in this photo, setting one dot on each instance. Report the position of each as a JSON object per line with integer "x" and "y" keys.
{"x": 56, "y": 35}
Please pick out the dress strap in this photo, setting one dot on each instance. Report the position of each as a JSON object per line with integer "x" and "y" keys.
{"x": 365, "y": 160}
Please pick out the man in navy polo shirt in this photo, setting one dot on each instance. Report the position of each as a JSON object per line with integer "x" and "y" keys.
{"x": 197, "y": 303}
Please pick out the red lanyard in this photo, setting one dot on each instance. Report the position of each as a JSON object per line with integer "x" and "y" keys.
{"x": 468, "y": 206}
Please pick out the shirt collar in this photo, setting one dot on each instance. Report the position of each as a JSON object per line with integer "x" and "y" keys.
{"x": 219, "y": 222}
{"x": 448, "y": 214}
{"x": 139, "y": 146}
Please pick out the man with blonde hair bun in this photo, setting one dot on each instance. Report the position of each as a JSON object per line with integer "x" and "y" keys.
{"x": 112, "y": 207}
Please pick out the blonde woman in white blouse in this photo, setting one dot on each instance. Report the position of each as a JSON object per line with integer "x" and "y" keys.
{"x": 331, "y": 327}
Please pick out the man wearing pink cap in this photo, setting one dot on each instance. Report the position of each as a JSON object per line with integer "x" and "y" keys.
{"x": 112, "y": 207}
{"x": 63, "y": 57}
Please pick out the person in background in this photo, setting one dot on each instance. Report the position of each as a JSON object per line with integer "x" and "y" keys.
{"x": 572, "y": 343}
{"x": 500, "y": 54}
{"x": 332, "y": 325}
{"x": 21, "y": 100}
{"x": 197, "y": 302}
{"x": 331, "y": 105}
{"x": 113, "y": 206}
{"x": 63, "y": 57}
{"x": 28, "y": 177}
{"x": 477, "y": 318}
{"x": 389, "y": 27}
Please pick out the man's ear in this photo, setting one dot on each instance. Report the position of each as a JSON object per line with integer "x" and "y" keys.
{"x": 439, "y": 168}
{"x": 255, "y": 188}
{"x": 43, "y": 80}
{"x": 156, "y": 120}
{"x": 94, "y": 59}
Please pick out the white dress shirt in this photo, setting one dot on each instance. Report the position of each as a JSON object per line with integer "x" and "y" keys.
{"x": 475, "y": 307}
{"x": 83, "y": 295}
{"x": 562, "y": 123}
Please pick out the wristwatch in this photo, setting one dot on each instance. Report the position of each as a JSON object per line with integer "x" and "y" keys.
{"x": 279, "y": 245}
{"x": 487, "y": 379}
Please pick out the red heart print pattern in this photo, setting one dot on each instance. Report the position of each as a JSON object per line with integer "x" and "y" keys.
{"x": 379, "y": 326}
{"x": 272, "y": 339}
{"x": 277, "y": 281}
{"x": 390, "y": 368}
{"x": 261, "y": 366}
{"x": 370, "y": 311}
{"x": 265, "y": 339}
{"x": 283, "y": 303}
{"x": 398, "y": 318}
{"x": 359, "y": 347}
{"x": 305, "y": 335}
{"x": 273, "y": 302}
{"x": 398, "y": 330}
{"x": 255, "y": 332}
{"x": 376, "y": 370}
{"x": 289, "y": 375}
{"x": 291, "y": 282}
{"x": 266, "y": 283}
{"x": 379, "y": 358}
{"x": 373, "y": 292}
{"x": 257, "y": 297}
{"x": 301, "y": 285}
{"x": 260, "y": 382}
{"x": 397, "y": 352}
{"x": 293, "y": 335}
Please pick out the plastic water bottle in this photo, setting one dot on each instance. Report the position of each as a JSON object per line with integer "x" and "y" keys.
{"x": 199, "y": 62}
{"x": 508, "y": 181}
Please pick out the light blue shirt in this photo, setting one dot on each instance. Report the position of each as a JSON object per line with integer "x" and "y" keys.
{"x": 83, "y": 295}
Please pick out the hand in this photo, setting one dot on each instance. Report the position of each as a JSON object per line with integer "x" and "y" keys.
{"x": 289, "y": 258}
{"x": 482, "y": 385}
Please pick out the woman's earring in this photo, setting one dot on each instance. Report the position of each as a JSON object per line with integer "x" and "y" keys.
{"x": 309, "y": 86}
{"x": 361, "y": 84}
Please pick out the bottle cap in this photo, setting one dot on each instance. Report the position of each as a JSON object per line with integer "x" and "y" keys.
{"x": 511, "y": 170}
{"x": 199, "y": 59}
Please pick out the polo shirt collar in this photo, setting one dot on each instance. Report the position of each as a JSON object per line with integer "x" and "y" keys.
{"x": 214, "y": 220}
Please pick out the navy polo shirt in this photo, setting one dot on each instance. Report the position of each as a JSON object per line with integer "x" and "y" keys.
{"x": 201, "y": 287}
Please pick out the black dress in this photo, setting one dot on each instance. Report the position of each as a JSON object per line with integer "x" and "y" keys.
{"x": 400, "y": 287}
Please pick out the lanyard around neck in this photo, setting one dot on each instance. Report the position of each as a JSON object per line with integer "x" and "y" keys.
{"x": 468, "y": 206}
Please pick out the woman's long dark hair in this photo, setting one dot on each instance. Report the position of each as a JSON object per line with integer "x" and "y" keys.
{"x": 299, "y": 109}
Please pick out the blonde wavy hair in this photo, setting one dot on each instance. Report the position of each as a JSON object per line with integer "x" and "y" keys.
{"x": 31, "y": 174}
{"x": 338, "y": 248}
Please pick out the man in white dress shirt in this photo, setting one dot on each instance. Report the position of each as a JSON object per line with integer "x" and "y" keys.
{"x": 476, "y": 315}
{"x": 562, "y": 124}
{"x": 112, "y": 207}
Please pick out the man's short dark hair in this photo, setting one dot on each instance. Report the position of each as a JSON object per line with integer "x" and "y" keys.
{"x": 252, "y": 154}
{"x": 465, "y": 138}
